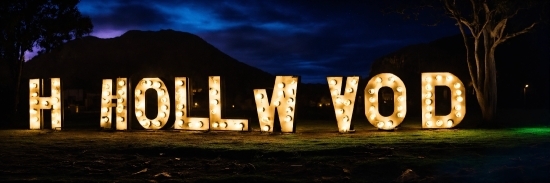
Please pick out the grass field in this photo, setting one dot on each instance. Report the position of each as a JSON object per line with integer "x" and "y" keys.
{"x": 316, "y": 153}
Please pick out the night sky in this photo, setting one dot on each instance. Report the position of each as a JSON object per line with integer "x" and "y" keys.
{"x": 313, "y": 39}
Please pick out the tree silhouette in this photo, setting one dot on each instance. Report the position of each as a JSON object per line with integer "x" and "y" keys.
{"x": 486, "y": 23}
{"x": 29, "y": 24}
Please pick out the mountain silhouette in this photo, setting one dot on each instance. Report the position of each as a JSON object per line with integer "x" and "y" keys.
{"x": 83, "y": 63}
{"x": 136, "y": 54}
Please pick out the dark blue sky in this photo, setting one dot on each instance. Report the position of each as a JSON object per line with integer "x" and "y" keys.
{"x": 313, "y": 39}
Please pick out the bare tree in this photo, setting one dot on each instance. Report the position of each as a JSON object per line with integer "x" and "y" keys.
{"x": 484, "y": 22}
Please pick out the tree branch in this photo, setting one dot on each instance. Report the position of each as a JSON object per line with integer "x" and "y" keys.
{"x": 508, "y": 36}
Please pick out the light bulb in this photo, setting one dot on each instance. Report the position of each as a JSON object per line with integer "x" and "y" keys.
{"x": 372, "y": 99}
{"x": 458, "y": 107}
{"x": 458, "y": 92}
{"x": 347, "y": 102}
{"x": 288, "y": 118}
{"x": 428, "y": 87}
{"x": 259, "y": 96}
{"x": 401, "y": 98}
{"x": 239, "y": 126}
{"x": 439, "y": 123}
{"x": 156, "y": 84}
{"x": 290, "y": 100}
{"x": 332, "y": 82}
{"x": 380, "y": 124}
{"x": 450, "y": 123}
{"x": 429, "y": 95}
{"x": 457, "y": 85}
{"x": 223, "y": 125}
{"x": 428, "y": 101}
{"x": 389, "y": 124}
{"x": 428, "y": 115}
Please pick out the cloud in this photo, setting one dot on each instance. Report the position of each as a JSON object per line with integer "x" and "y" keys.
{"x": 309, "y": 38}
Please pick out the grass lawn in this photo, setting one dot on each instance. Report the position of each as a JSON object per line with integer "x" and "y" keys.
{"x": 316, "y": 153}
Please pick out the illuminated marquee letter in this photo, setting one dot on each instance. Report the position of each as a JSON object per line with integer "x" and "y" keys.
{"x": 399, "y": 97}
{"x": 284, "y": 99}
{"x": 458, "y": 100}
{"x": 343, "y": 104}
{"x": 121, "y": 97}
{"x": 183, "y": 121}
{"x": 163, "y": 101}
{"x": 217, "y": 123}
{"x": 38, "y": 103}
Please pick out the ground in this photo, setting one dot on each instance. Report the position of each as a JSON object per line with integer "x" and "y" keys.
{"x": 316, "y": 153}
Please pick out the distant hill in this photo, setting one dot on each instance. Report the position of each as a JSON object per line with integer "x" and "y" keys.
{"x": 83, "y": 63}
{"x": 137, "y": 54}
{"x": 521, "y": 60}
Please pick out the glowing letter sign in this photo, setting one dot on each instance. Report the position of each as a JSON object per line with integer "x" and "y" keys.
{"x": 458, "y": 100}
{"x": 343, "y": 104}
{"x": 163, "y": 103}
{"x": 217, "y": 123}
{"x": 37, "y": 103}
{"x": 399, "y": 98}
{"x": 284, "y": 99}
{"x": 120, "y": 106}
{"x": 183, "y": 121}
